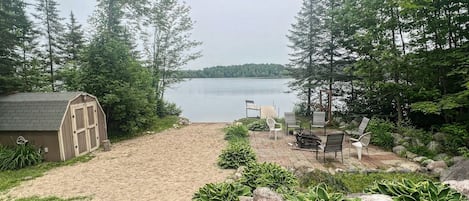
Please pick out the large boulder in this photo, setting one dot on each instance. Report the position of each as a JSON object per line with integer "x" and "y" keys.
{"x": 440, "y": 137}
{"x": 458, "y": 172}
{"x": 460, "y": 186}
{"x": 375, "y": 197}
{"x": 399, "y": 149}
{"x": 437, "y": 167}
{"x": 265, "y": 194}
{"x": 434, "y": 146}
{"x": 397, "y": 138}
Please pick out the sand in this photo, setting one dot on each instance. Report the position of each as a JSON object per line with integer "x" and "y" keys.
{"x": 171, "y": 165}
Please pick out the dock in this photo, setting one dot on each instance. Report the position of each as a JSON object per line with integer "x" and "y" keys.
{"x": 268, "y": 111}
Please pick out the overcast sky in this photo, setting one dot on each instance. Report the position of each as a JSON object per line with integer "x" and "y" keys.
{"x": 232, "y": 31}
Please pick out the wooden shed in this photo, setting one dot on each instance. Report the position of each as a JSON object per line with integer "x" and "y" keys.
{"x": 63, "y": 124}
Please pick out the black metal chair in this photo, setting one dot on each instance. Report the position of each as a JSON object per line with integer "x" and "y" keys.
{"x": 334, "y": 143}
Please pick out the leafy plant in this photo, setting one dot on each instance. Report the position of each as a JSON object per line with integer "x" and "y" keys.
{"x": 237, "y": 154}
{"x": 259, "y": 125}
{"x": 464, "y": 151}
{"x": 19, "y": 157}
{"x": 267, "y": 175}
{"x": 318, "y": 192}
{"x": 456, "y": 136}
{"x": 381, "y": 131}
{"x": 317, "y": 177}
{"x": 236, "y": 131}
{"x": 408, "y": 190}
{"x": 221, "y": 192}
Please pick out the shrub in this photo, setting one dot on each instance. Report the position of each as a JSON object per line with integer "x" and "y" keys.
{"x": 456, "y": 136}
{"x": 222, "y": 192}
{"x": 268, "y": 175}
{"x": 259, "y": 125}
{"x": 236, "y": 131}
{"x": 408, "y": 190}
{"x": 381, "y": 133}
{"x": 237, "y": 154}
{"x": 317, "y": 177}
{"x": 165, "y": 108}
{"x": 318, "y": 192}
{"x": 19, "y": 157}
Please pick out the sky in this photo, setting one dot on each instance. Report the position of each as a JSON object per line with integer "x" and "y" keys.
{"x": 232, "y": 31}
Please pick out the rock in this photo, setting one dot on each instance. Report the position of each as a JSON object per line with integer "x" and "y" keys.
{"x": 419, "y": 159}
{"x": 407, "y": 139}
{"x": 28, "y": 178}
{"x": 184, "y": 121}
{"x": 245, "y": 198}
{"x": 440, "y": 137}
{"x": 375, "y": 197}
{"x": 457, "y": 159}
{"x": 426, "y": 162}
{"x": 229, "y": 180}
{"x": 460, "y": 186}
{"x": 417, "y": 142}
{"x": 441, "y": 157}
{"x": 391, "y": 170}
{"x": 458, "y": 172}
{"x": 434, "y": 146}
{"x": 436, "y": 164}
{"x": 265, "y": 194}
{"x": 399, "y": 149}
{"x": 410, "y": 155}
{"x": 397, "y": 138}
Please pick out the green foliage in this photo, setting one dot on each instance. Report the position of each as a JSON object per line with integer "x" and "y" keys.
{"x": 381, "y": 133}
{"x": 19, "y": 157}
{"x": 160, "y": 124}
{"x": 237, "y": 154}
{"x": 268, "y": 175}
{"x": 407, "y": 190}
{"x": 427, "y": 107}
{"x": 318, "y": 192}
{"x": 464, "y": 151}
{"x": 259, "y": 125}
{"x": 456, "y": 136}
{"x": 164, "y": 108}
{"x": 221, "y": 192}
{"x": 236, "y": 131}
{"x": 317, "y": 177}
{"x": 245, "y": 70}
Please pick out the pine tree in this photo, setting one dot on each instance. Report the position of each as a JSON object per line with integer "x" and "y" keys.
{"x": 48, "y": 15}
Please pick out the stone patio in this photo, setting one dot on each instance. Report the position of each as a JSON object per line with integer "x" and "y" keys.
{"x": 279, "y": 151}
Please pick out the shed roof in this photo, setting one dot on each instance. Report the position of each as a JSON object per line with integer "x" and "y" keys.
{"x": 34, "y": 111}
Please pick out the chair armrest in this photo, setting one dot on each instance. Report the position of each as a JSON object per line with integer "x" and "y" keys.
{"x": 354, "y": 139}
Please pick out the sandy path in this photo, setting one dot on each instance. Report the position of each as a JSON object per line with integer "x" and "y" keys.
{"x": 171, "y": 165}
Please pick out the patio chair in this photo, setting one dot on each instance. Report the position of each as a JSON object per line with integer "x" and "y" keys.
{"x": 361, "y": 128}
{"x": 333, "y": 144}
{"x": 361, "y": 142}
{"x": 291, "y": 122}
{"x": 274, "y": 127}
{"x": 319, "y": 121}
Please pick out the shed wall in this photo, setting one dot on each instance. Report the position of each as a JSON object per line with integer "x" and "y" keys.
{"x": 42, "y": 139}
{"x": 67, "y": 135}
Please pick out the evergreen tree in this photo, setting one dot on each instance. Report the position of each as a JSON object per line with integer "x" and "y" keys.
{"x": 51, "y": 29}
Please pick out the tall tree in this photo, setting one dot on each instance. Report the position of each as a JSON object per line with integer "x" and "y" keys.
{"x": 306, "y": 36}
{"x": 169, "y": 45}
{"x": 48, "y": 16}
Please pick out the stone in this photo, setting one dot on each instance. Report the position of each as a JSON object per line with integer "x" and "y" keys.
{"x": 440, "y": 137}
{"x": 434, "y": 146}
{"x": 419, "y": 159}
{"x": 106, "y": 145}
{"x": 426, "y": 162}
{"x": 375, "y": 197}
{"x": 410, "y": 155}
{"x": 265, "y": 194}
{"x": 460, "y": 186}
{"x": 457, "y": 159}
{"x": 245, "y": 198}
{"x": 436, "y": 164}
{"x": 458, "y": 172}
{"x": 391, "y": 170}
{"x": 441, "y": 157}
{"x": 397, "y": 138}
{"x": 417, "y": 142}
{"x": 399, "y": 149}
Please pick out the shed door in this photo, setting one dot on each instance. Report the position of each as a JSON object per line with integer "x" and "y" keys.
{"x": 85, "y": 128}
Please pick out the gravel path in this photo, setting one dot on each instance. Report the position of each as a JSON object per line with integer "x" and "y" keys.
{"x": 171, "y": 165}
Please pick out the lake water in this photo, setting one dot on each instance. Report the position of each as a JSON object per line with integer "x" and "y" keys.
{"x": 223, "y": 99}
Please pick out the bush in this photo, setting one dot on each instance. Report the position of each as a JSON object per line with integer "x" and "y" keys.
{"x": 164, "y": 109}
{"x": 236, "y": 131}
{"x": 381, "y": 133}
{"x": 259, "y": 125}
{"x": 19, "y": 157}
{"x": 408, "y": 190}
{"x": 237, "y": 154}
{"x": 268, "y": 175}
{"x": 318, "y": 192}
{"x": 456, "y": 136}
{"x": 317, "y": 177}
{"x": 222, "y": 192}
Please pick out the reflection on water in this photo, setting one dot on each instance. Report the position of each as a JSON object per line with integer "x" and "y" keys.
{"x": 222, "y": 99}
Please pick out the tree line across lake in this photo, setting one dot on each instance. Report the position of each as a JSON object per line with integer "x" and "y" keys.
{"x": 245, "y": 70}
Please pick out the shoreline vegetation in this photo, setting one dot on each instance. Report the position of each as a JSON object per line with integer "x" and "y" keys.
{"x": 238, "y": 71}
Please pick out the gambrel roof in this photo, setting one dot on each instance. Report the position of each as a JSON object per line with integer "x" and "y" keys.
{"x": 34, "y": 111}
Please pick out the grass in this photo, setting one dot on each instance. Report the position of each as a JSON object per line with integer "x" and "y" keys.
{"x": 160, "y": 125}
{"x": 12, "y": 178}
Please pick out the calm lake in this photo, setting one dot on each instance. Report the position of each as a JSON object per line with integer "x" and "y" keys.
{"x": 223, "y": 99}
